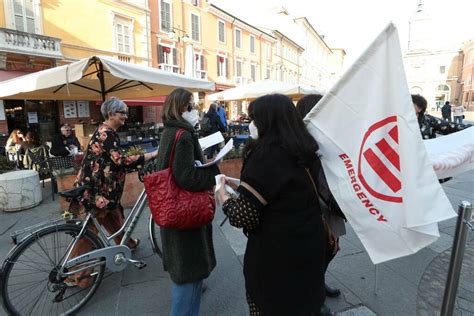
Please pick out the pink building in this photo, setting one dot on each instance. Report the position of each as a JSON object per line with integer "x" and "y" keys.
{"x": 467, "y": 76}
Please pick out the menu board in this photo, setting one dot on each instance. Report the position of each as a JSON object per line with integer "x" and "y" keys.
{"x": 70, "y": 110}
{"x": 83, "y": 109}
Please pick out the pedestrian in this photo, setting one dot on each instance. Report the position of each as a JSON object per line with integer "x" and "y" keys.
{"x": 446, "y": 111}
{"x": 431, "y": 125}
{"x": 65, "y": 143}
{"x": 458, "y": 113}
{"x": 279, "y": 212}
{"x": 334, "y": 216}
{"x": 222, "y": 114}
{"x": 15, "y": 140}
{"x": 215, "y": 125}
{"x": 103, "y": 170}
{"x": 188, "y": 255}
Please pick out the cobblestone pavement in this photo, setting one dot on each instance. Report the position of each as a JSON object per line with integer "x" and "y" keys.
{"x": 432, "y": 284}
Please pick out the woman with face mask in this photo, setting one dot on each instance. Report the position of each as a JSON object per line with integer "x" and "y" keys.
{"x": 188, "y": 255}
{"x": 279, "y": 212}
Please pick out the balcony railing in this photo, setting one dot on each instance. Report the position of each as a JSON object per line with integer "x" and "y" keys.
{"x": 201, "y": 74}
{"x": 170, "y": 68}
{"x": 14, "y": 41}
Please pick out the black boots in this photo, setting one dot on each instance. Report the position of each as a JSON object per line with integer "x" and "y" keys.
{"x": 331, "y": 292}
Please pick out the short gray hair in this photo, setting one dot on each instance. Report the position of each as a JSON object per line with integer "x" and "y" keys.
{"x": 112, "y": 105}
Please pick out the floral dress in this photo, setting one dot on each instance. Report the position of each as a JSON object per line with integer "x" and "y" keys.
{"x": 104, "y": 168}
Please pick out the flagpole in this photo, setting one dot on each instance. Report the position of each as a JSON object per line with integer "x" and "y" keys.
{"x": 457, "y": 253}
{"x": 375, "y": 283}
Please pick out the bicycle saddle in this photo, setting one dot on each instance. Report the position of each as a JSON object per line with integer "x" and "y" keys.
{"x": 74, "y": 193}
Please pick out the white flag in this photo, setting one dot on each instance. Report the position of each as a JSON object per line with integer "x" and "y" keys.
{"x": 374, "y": 158}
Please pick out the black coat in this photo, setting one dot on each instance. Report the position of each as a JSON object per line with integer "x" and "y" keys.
{"x": 59, "y": 144}
{"x": 216, "y": 123}
{"x": 284, "y": 260}
{"x": 446, "y": 111}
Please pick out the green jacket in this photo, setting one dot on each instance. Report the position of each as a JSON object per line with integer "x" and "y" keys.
{"x": 187, "y": 255}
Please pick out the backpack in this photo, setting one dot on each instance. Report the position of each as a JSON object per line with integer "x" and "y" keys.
{"x": 205, "y": 124}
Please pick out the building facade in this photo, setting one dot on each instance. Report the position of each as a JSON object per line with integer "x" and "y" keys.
{"x": 467, "y": 76}
{"x": 431, "y": 69}
{"x": 38, "y": 34}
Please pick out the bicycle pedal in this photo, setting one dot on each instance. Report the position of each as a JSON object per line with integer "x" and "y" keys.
{"x": 140, "y": 265}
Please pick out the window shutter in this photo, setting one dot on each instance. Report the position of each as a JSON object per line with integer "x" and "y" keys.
{"x": 175, "y": 57}
{"x": 227, "y": 68}
{"x": 161, "y": 58}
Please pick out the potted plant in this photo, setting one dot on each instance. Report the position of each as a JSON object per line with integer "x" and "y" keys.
{"x": 6, "y": 165}
{"x": 133, "y": 186}
{"x": 232, "y": 164}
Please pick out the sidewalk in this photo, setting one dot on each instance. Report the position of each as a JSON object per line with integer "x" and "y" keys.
{"x": 412, "y": 285}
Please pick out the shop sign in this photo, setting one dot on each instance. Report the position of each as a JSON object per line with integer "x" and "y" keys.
{"x": 33, "y": 117}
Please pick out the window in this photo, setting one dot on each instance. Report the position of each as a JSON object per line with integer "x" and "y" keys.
{"x": 195, "y": 3}
{"x": 472, "y": 97}
{"x": 466, "y": 97}
{"x": 442, "y": 69}
{"x": 200, "y": 67}
{"x": 123, "y": 35}
{"x": 222, "y": 66}
{"x": 168, "y": 58}
{"x": 238, "y": 68}
{"x": 268, "y": 51}
{"x": 195, "y": 27}
{"x": 253, "y": 70}
{"x": 24, "y": 16}
{"x": 165, "y": 14}
{"x": 252, "y": 44}
{"x": 269, "y": 73}
{"x": 221, "y": 31}
{"x": 237, "y": 38}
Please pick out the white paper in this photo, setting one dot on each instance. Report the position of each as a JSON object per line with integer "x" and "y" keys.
{"x": 228, "y": 188}
{"x": 211, "y": 140}
{"x": 2, "y": 111}
{"x": 70, "y": 110}
{"x": 224, "y": 151}
{"x": 33, "y": 117}
{"x": 83, "y": 109}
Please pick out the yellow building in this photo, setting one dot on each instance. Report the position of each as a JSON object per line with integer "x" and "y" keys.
{"x": 40, "y": 34}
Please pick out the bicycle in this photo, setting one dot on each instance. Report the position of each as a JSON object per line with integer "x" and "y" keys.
{"x": 37, "y": 273}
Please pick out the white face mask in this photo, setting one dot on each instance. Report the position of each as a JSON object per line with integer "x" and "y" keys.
{"x": 191, "y": 117}
{"x": 253, "y": 130}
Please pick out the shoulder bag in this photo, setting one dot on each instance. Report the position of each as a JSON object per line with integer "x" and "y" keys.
{"x": 332, "y": 241}
{"x": 174, "y": 207}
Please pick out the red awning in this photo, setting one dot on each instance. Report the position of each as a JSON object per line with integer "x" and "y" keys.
{"x": 5, "y": 75}
{"x": 222, "y": 87}
{"x": 153, "y": 101}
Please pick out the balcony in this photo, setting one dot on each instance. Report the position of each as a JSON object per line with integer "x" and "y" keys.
{"x": 241, "y": 80}
{"x": 201, "y": 74}
{"x": 14, "y": 41}
{"x": 170, "y": 68}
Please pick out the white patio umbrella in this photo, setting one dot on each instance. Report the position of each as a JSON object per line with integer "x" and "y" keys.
{"x": 259, "y": 88}
{"x": 96, "y": 77}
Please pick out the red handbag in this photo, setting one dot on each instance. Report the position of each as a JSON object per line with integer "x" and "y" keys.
{"x": 174, "y": 207}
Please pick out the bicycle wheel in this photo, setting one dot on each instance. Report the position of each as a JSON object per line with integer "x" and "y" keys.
{"x": 30, "y": 282}
{"x": 155, "y": 236}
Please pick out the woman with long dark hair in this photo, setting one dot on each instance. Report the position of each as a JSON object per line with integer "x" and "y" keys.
{"x": 279, "y": 211}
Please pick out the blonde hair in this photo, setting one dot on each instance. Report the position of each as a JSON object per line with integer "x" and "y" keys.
{"x": 175, "y": 103}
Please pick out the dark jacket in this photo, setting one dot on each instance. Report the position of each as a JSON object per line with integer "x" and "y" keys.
{"x": 446, "y": 111}
{"x": 216, "y": 122}
{"x": 431, "y": 125}
{"x": 187, "y": 255}
{"x": 284, "y": 260}
{"x": 59, "y": 144}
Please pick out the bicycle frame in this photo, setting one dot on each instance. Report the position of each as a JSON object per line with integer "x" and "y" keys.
{"x": 114, "y": 254}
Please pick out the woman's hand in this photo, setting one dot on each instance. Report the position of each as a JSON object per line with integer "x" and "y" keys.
{"x": 151, "y": 155}
{"x": 223, "y": 195}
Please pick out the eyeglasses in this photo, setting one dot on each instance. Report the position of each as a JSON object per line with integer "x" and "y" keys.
{"x": 122, "y": 112}
{"x": 191, "y": 106}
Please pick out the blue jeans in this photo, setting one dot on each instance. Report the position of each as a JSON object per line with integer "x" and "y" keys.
{"x": 458, "y": 119}
{"x": 186, "y": 299}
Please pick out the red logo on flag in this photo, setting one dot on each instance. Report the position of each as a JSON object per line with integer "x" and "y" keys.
{"x": 379, "y": 161}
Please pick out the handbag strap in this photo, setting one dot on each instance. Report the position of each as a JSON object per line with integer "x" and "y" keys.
{"x": 176, "y": 138}
{"x": 312, "y": 181}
